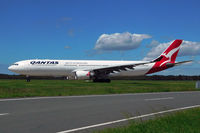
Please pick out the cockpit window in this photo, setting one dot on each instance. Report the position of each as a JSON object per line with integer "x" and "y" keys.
{"x": 15, "y": 64}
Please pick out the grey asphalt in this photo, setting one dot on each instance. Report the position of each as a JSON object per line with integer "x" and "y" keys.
{"x": 55, "y": 114}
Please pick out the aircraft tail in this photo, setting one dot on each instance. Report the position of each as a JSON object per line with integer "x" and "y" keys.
{"x": 167, "y": 58}
{"x": 170, "y": 53}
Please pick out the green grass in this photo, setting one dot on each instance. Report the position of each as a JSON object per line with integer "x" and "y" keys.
{"x": 21, "y": 88}
{"x": 187, "y": 121}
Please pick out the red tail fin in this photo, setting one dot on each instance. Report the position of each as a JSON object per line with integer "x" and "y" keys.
{"x": 168, "y": 56}
{"x": 170, "y": 53}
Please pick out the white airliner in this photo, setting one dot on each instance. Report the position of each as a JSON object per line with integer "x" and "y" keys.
{"x": 98, "y": 71}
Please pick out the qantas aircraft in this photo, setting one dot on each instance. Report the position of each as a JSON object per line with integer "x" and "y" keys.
{"x": 98, "y": 71}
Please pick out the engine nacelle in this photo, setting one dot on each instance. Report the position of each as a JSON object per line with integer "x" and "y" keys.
{"x": 83, "y": 74}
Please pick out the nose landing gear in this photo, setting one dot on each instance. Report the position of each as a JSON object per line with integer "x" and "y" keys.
{"x": 28, "y": 79}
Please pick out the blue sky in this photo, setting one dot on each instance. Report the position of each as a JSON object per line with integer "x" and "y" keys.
{"x": 42, "y": 29}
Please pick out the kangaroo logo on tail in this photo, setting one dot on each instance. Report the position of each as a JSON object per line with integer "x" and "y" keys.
{"x": 168, "y": 56}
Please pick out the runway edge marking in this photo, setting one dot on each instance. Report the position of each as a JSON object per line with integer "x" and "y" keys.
{"x": 162, "y": 98}
{"x": 4, "y": 114}
{"x": 85, "y": 96}
{"x": 131, "y": 118}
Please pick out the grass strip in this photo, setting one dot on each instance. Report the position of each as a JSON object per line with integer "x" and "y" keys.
{"x": 21, "y": 88}
{"x": 187, "y": 121}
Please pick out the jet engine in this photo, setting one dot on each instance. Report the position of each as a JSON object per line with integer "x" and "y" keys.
{"x": 83, "y": 74}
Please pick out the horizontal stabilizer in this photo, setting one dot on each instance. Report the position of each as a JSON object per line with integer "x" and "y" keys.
{"x": 182, "y": 62}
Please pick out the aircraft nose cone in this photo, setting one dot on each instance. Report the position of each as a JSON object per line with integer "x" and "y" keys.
{"x": 10, "y": 68}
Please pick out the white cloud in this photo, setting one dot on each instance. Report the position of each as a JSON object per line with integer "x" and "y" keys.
{"x": 188, "y": 48}
{"x": 153, "y": 43}
{"x": 120, "y": 41}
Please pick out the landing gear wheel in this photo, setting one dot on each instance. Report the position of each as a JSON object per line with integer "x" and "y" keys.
{"x": 28, "y": 79}
{"x": 66, "y": 78}
{"x": 107, "y": 80}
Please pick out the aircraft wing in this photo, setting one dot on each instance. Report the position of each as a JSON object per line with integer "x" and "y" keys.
{"x": 118, "y": 68}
